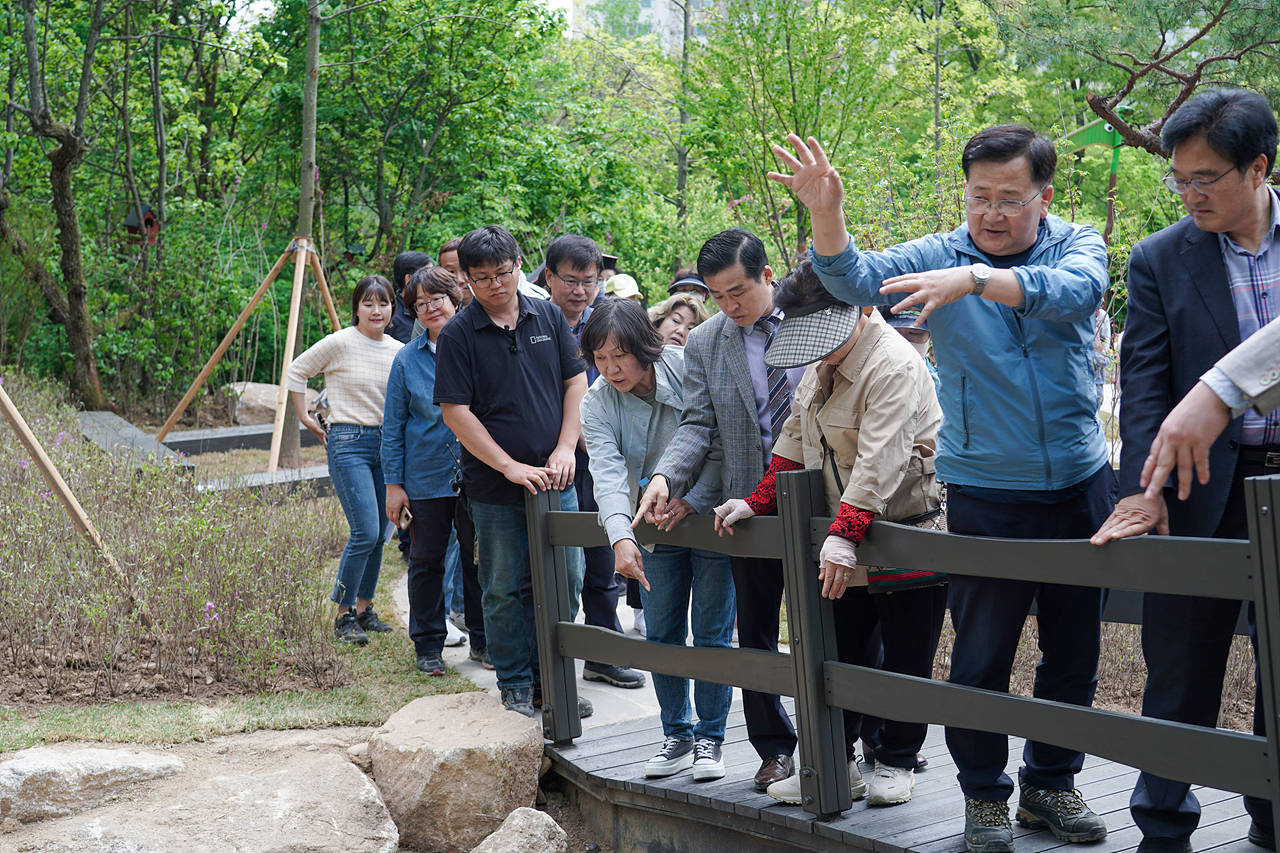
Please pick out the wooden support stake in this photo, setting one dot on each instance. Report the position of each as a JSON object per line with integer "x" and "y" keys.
{"x": 222, "y": 347}
{"x": 67, "y": 499}
{"x": 295, "y": 305}
{"x": 325, "y": 293}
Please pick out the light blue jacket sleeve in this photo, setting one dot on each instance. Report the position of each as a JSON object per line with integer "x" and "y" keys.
{"x": 856, "y": 277}
{"x": 395, "y": 415}
{"x": 1071, "y": 290}
{"x": 608, "y": 465}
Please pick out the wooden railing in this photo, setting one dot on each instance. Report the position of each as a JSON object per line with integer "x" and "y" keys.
{"x": 822, "y": 687}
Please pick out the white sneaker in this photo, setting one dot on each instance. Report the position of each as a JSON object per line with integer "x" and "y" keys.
{"x": 453, "y": 637}
{"x": 788, "y": 790}
{"x": 637, "y": 622}
{"x": 891, "y": 785}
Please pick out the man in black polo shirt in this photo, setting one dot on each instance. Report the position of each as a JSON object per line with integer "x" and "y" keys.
{"x": 509, "y": 382}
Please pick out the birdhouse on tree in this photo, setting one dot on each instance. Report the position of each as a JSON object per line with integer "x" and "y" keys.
{"x": 150, "y": 224}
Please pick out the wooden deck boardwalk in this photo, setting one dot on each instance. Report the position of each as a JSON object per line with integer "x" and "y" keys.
{"x": 608, "y": 761}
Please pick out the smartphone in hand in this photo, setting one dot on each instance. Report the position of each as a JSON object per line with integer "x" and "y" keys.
{"x": 406, "y": 518}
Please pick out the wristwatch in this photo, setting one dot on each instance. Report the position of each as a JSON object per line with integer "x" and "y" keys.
{"x": 981, "y": 275}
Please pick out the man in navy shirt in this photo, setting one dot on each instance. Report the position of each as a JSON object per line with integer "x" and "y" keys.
{"x": 508, "y": 383}
{"x": 573, "y": 278}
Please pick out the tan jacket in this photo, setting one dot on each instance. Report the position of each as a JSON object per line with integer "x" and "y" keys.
{"x": 880, "y": 421}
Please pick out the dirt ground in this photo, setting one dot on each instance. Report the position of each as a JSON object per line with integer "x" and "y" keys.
{"x": 234, "y": 463}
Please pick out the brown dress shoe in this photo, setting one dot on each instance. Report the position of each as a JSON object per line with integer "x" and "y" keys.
{"x": 775, "y": 768}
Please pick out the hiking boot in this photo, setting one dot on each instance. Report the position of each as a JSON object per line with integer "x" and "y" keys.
{"x": 986, "y": 826}
{"x": 518, "y": 699}
{"x": 675, "y": 755}
{"x": 371, "y": 624}
{"x": 430, "y": 664}
{"x": 481, "y": 657}
{"x": 788, "y": 790}
{"x": 1063, "y": 813}
{"x": 347, "y": 629}
{"x": 890, "y": 785}
{"x": 618, "y": 676}
{"x": 585, "y": 708}
{"x": 708, "y": 763}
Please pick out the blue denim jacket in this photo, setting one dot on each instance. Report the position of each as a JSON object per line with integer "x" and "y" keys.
{"x": 1019, "y": 407}
{"x": 416, "y": 444}
{"x": 615, "y": 427}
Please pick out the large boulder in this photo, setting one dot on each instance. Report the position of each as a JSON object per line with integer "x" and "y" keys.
{"x": 451, "y": 768}
{"x": 256, "y": 402}
{"x": 276, "y": 802}
{"x": 526, "y": 831}
{"x": 45, "y": 782}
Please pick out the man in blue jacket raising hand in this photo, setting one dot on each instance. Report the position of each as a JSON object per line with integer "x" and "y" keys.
{"x": 1009, "y": 297}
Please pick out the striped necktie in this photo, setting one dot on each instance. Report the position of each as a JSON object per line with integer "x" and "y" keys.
{"x": 776, "y": 377}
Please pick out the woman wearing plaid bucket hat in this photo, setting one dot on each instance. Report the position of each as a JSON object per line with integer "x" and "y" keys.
{"x": 866, "y": 415}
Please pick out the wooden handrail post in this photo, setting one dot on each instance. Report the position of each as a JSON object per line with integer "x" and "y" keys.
{"x": 300, "y": 264}
{"x": 551, "y": 604}
{"x": 823, "y": 766}
{"x": 1262, "y": 500}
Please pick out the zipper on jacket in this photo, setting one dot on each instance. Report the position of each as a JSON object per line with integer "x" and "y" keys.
{"x": 964, "y": 407}
{"x": 1035, "y": 397}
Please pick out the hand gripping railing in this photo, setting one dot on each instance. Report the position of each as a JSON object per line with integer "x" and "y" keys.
{"x": 1217, "y": 568}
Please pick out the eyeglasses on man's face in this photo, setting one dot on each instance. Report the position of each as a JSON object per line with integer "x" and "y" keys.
{"x": 431, "y": 304}
{"x": 491, "y": 280}
{"x": 1005, "y": 207}
{"x": 577, "y": 284}
{"x": 1203, "y": 186}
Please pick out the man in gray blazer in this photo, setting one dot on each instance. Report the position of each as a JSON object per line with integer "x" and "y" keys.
{"x": 727, "y": 389}
{"x": 1196, "y": 290}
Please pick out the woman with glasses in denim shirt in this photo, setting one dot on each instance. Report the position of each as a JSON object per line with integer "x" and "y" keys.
{"x": 628, "y": 416}
{"x": 419, "y": 457}
{"x": 355, "y": 362}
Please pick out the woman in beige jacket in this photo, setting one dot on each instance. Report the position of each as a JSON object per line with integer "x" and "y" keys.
{"x": 866, "y": 415}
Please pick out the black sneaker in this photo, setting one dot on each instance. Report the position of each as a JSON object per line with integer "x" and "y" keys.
{"x": 986, "y": 826}
{"x": 481, "y": 657}
{"x": 518, "y": 699}
{"x": 1064, "y": 813}
{"x": 585, "y": 708}
{"x": 1263, "y": 836}
{"x": 370, "y": 622}
{"x": 618, "y": 676}
{"x": 347, "y": 629}
{"x": 430, "y": 664}
{"x": 708, "y": 764}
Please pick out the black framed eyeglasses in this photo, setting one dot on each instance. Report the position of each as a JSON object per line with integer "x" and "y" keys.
{"x": 1005, "y": 207}
{"x": 1200, "y": 185}
{"x": 575, "y": 284}
{"x": 430, "y": 304}
{"x": 496, "y": 278}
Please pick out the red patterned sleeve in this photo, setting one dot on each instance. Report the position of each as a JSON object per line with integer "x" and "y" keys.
{"x": 764, "y": 500}
{"x": 851, "y": 523}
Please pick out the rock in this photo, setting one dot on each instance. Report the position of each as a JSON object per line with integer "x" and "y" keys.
{"x": 256, "y": 402}
{"x": 451, "y": 768}
{"x": 306, "y": 802}
{"x": 359, "y": 755}
{"x": 526, "y": 831}
{"x": 9, "y": 825}
{"x": 46, "y": 782}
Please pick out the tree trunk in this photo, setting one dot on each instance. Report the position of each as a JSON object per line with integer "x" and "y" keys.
{"x": 682, "y": 150}
{"x": 290, "y": 447}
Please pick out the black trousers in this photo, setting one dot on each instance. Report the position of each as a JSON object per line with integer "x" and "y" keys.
{"x": 429, "y": 535}
{"x": 757, "y": 584}
{"x": 1185, "y": 641}
{"x": 600, "y": 587}
{"x": 910, "y": 624}
{"x": 988, "y": 615}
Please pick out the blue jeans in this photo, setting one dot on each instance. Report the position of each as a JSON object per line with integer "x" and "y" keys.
{"x": 453, "y": 576}
{"x": 675, "y": 576}
{"x": 355, "y": 468}
{"x": 503, "y": 533}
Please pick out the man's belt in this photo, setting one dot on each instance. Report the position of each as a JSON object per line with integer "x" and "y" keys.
{"x": 1267, "y": 455}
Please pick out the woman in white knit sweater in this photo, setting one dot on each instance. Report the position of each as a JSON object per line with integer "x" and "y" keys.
{"x": 356, "y": 362}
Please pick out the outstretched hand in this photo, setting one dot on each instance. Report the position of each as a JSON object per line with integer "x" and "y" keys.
{"x": 813, "y": 179}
